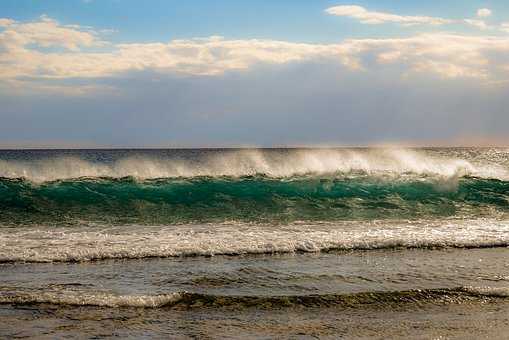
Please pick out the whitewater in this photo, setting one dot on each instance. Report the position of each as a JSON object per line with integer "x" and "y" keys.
{"x": 278, "y": 163}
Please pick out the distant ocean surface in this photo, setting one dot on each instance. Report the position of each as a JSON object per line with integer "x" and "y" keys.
{"x": 297, "y": 243}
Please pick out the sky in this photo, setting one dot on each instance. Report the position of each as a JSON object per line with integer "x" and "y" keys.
{"x": 228, "y": 73}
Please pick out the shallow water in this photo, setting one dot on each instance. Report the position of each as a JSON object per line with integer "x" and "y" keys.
{"x": 255, "y": 243}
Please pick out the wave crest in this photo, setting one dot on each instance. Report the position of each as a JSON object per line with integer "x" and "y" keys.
{"x": 272, "y": 163}
{"x": 186, "y": 299}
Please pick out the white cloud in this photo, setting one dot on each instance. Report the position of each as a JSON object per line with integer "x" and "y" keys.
{"x": 480, "y": 24}
{"x": 483, "y": 12}
{"x": 4, "y": 22}
{"x": 445, "y": 55}
{"x": 22, "y": 56}
{"x": 374, "y": 18}
{"x": 505, "y": 27}
{"x": 46, "y": 32}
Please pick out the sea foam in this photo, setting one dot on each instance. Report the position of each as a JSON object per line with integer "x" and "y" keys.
{"x": 188, "y": 299}
{"x": 64, "y": 244}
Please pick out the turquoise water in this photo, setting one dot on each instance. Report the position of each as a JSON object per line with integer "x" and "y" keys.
{"x": 254, "y": 199}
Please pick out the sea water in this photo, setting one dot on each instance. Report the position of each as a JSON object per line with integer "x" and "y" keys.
{"x": 255, "y": 243}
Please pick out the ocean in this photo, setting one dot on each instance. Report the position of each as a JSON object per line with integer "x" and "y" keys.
{"x": 332, "y": 243}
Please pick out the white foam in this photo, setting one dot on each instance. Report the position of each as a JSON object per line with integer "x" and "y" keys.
{"x": 93, "y": 243}
{"x": 488, "y": 291}
{"x": 90, "y": 299}
{"x": 251, "y": 162}
{"x": 20, "y": 296}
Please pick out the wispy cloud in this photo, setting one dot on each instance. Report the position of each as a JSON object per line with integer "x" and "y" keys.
{"x": 483, "y": 12}
{"x": 368, "y": 17}
{"x": 480, "y": 24}
{"x": 374, "y": 18}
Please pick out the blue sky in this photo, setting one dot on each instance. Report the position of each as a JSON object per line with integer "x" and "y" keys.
{"x": 294, "y": 20}
{"x": 228, "y": 73}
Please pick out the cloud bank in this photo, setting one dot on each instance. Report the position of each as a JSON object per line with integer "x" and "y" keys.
{"x": 46, "y": 49}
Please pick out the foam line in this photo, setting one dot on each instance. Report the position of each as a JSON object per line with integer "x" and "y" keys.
{"x": 135, "y": 242}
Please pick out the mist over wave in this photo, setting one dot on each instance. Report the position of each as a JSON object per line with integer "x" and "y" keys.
{"x": 248, "y": 162}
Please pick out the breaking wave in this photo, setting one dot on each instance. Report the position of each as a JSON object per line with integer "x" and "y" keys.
{"x": 253, "y": 199}
{"x": 250, "y": 162}
{"x": 134, "y": 242}
{"x": 197, "y": 300}
{"x": 252, "y": 185}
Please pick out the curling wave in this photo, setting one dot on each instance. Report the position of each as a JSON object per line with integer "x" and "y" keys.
{"x": 255, "y": 199}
